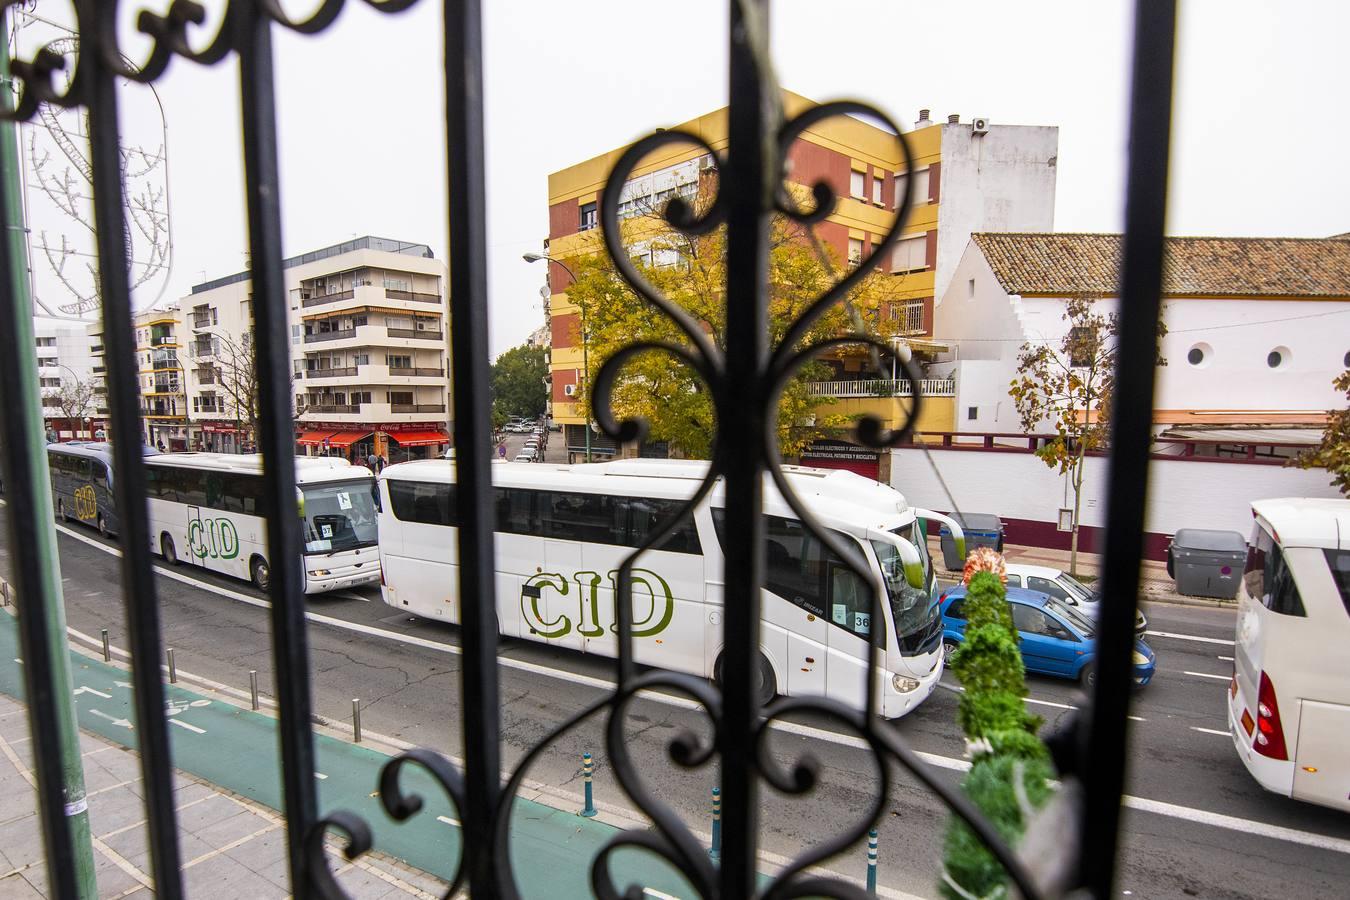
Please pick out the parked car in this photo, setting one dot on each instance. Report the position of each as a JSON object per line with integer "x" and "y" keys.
{"x": 1055, "y": 638}
{"x": 526, "y": 455}
{"x": 1064, "y": 587}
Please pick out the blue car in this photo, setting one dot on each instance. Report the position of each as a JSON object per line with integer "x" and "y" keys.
{"x": 1056, "y": 639}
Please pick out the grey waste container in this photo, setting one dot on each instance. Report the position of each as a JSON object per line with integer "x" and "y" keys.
{"x": 1207, "y": 563}
{"x": 982, "y": 530}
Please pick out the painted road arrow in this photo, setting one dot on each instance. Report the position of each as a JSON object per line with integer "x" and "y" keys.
{"x": 124, "y": 723}
{"x": 82, "y": 689}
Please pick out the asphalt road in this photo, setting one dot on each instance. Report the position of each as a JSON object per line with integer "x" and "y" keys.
{"x": 1196, "y": 826}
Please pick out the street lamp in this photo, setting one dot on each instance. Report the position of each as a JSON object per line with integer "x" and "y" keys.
{"x": 532, "y": 257}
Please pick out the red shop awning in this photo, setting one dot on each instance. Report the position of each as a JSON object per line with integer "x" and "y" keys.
{"x": 418, "y": 438}
{"x": 347, "y": 438}
{"x": 313, "y": 438}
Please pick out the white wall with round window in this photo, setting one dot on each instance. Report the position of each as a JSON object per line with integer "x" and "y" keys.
{"x": 1200, "y": 355}
{"x": 1279, "y": 357}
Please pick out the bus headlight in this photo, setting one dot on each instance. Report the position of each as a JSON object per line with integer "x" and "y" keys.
{"x": 904, "y": 684}
{"x": 319, "y": 573}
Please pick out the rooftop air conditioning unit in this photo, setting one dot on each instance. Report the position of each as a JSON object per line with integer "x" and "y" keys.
{"x": 980, "y": 125}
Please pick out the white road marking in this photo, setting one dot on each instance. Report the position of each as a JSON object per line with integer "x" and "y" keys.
{"x": 88, "y": 690}
{"x": 447, "y": 820}
{"x": 181, "y": 724}
{"x": 1226, "y": 658}
{"x": 102, "y": 715}
{"x": 1189, "y": 637}
{"x": 1208, "y": 675}
{"x": 1209, "y": 730}
{"x": 348, "y": 595}
{"x": 320, "y": 776}
{"x": 1157, "y": 807}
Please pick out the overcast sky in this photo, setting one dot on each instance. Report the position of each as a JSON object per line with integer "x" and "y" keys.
{"x": 1259, "y": 139}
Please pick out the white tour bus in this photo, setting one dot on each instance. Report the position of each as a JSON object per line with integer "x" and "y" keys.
{"x": 1289, "y": 700}
{"x": 204, "y": 511}
{"x": 562, "y": 532}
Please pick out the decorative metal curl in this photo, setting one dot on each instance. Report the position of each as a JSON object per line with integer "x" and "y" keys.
{"x": 399, "y": 805}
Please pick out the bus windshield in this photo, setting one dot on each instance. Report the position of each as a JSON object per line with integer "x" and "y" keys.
{"x": 338, "y": 516}
{"x": 909, "y": 605}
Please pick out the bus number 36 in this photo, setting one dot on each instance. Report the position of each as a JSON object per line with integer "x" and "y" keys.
{"x": 215, "y": 538}
{"x": 645, "y": 582}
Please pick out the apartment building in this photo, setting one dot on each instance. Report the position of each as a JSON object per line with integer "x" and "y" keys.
{"x": 65, "y": 362}
{"x": 966, "y": 177}
{"x": 164, "y": 406}
{"x": 369, "y": 342}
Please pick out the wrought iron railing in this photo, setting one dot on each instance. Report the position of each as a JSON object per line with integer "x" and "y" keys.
{"x": 743, "y": 376}
{"x": 881, "y": 387}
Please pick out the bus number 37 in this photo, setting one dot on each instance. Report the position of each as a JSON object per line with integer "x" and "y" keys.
{"x": 588, "y": 622}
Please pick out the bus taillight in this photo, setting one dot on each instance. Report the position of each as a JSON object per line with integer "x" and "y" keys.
{"x": 1269, "y": 732}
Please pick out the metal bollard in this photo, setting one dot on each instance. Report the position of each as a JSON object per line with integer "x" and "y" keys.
{"x": 4, "y": 592}
{"x": 715, "y": 851}
{"x": 872, "y": 862}
{"x": 253, "y": 686}
{"x": 173, "y": 670}
{"x": 107, "y": 650}
{"x": 356, "y": 719}
{"x": 587, "y": 771}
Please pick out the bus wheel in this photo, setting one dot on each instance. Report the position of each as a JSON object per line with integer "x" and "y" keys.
{"x": 260, "y": 573}
{"x": 766, "y": 684}
{"x": 167, "y": 550}
{"x": 102, "y": 526}
{"x": 61, "y": 511}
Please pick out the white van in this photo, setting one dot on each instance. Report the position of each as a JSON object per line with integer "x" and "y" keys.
{"x": 1289, "y": 700}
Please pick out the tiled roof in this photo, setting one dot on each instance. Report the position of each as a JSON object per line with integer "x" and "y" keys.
{"x": 1068, "y": 264}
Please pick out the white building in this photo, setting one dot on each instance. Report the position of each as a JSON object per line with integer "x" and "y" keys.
{"x": 370, "y": 351}
{"x": 63, "y": 358}
{"x": 1257, "y": 327}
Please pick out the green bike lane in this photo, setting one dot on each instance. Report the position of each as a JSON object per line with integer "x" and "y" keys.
{"x": 237, "y": 749}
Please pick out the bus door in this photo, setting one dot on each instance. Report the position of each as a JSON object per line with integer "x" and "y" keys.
{"x": 850, "y": 614}
{"x": 795, "y": 572}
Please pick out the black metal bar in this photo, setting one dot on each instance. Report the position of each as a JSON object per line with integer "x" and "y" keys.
{"x": 472, "y": 430}
{"x": 271, "y": 334}
{"x": 25, "y": 472}
{"x": 1140, "y": 307}
{"x": 138, "y": 582}
{"x": 743, "y": 424}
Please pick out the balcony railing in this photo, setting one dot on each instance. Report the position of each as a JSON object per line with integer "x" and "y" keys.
{"x": 417, "y": 371}
{"x": 330, "y": 335}
{"x": 331, "y": 408}
{"x": 414, "y": 296}
{"x": 880, "y": 387}
{"x": 415, "y": 333}
{"x": 328, "y": 298}
{"x": 332, "y": 372}
{"x": 417, "y": 407}
{"x": 202, "y": 321}
{"x": 163, "y": 340}
{"x": 907, "y": 319}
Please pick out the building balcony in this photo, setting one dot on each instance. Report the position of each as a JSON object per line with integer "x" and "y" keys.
{"x": 907, "y": 319}
{"x": 412, "y": 296}
{"x": 166, "y": 340}
{"x": 323, "y": 299}
{"x": 333, "y": 372}
{"x": 415, "y": 333}
{"x": 324, "y": 336}
{"x": 417, "y": 408}
{"x": 330, "y": 409}
{"x": 880, "y": 387}
{"x": 416, "y": 372}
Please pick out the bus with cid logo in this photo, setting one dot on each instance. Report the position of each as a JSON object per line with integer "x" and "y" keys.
{"x": 205, "y": 511}
{"x": 563, "y": 531}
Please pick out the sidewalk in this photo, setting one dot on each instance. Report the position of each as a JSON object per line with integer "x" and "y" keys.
{"x": 232, "y": 839}
{"x": 231, "y": 846}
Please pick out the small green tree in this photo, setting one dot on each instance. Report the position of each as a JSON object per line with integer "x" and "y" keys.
{"x": 1001, "y": 735}
{"x": 518, "y": 383}
{"x": 1069, "y": 385}
{"x": 1333, "y": 453}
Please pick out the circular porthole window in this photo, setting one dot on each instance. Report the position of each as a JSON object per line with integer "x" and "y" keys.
{"x": 1345, "y": 361}
{"x": 1278, "y": 357}
{"x": 1200, "y": 355}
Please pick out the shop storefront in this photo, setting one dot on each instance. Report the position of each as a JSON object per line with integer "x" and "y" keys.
{"x": 835, "y": 454}
{"x": 396, "y": 444}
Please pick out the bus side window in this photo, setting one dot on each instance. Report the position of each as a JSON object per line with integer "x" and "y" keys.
{"x": 794, "y": 571}
{"x": 1282, "y": 593}
{"x": 83, "y": 470}
{"x": 101, "y": 475}
{"x": 513, "y": 511}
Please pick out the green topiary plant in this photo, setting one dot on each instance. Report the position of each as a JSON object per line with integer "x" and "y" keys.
{"x": 1010, "y": 771}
